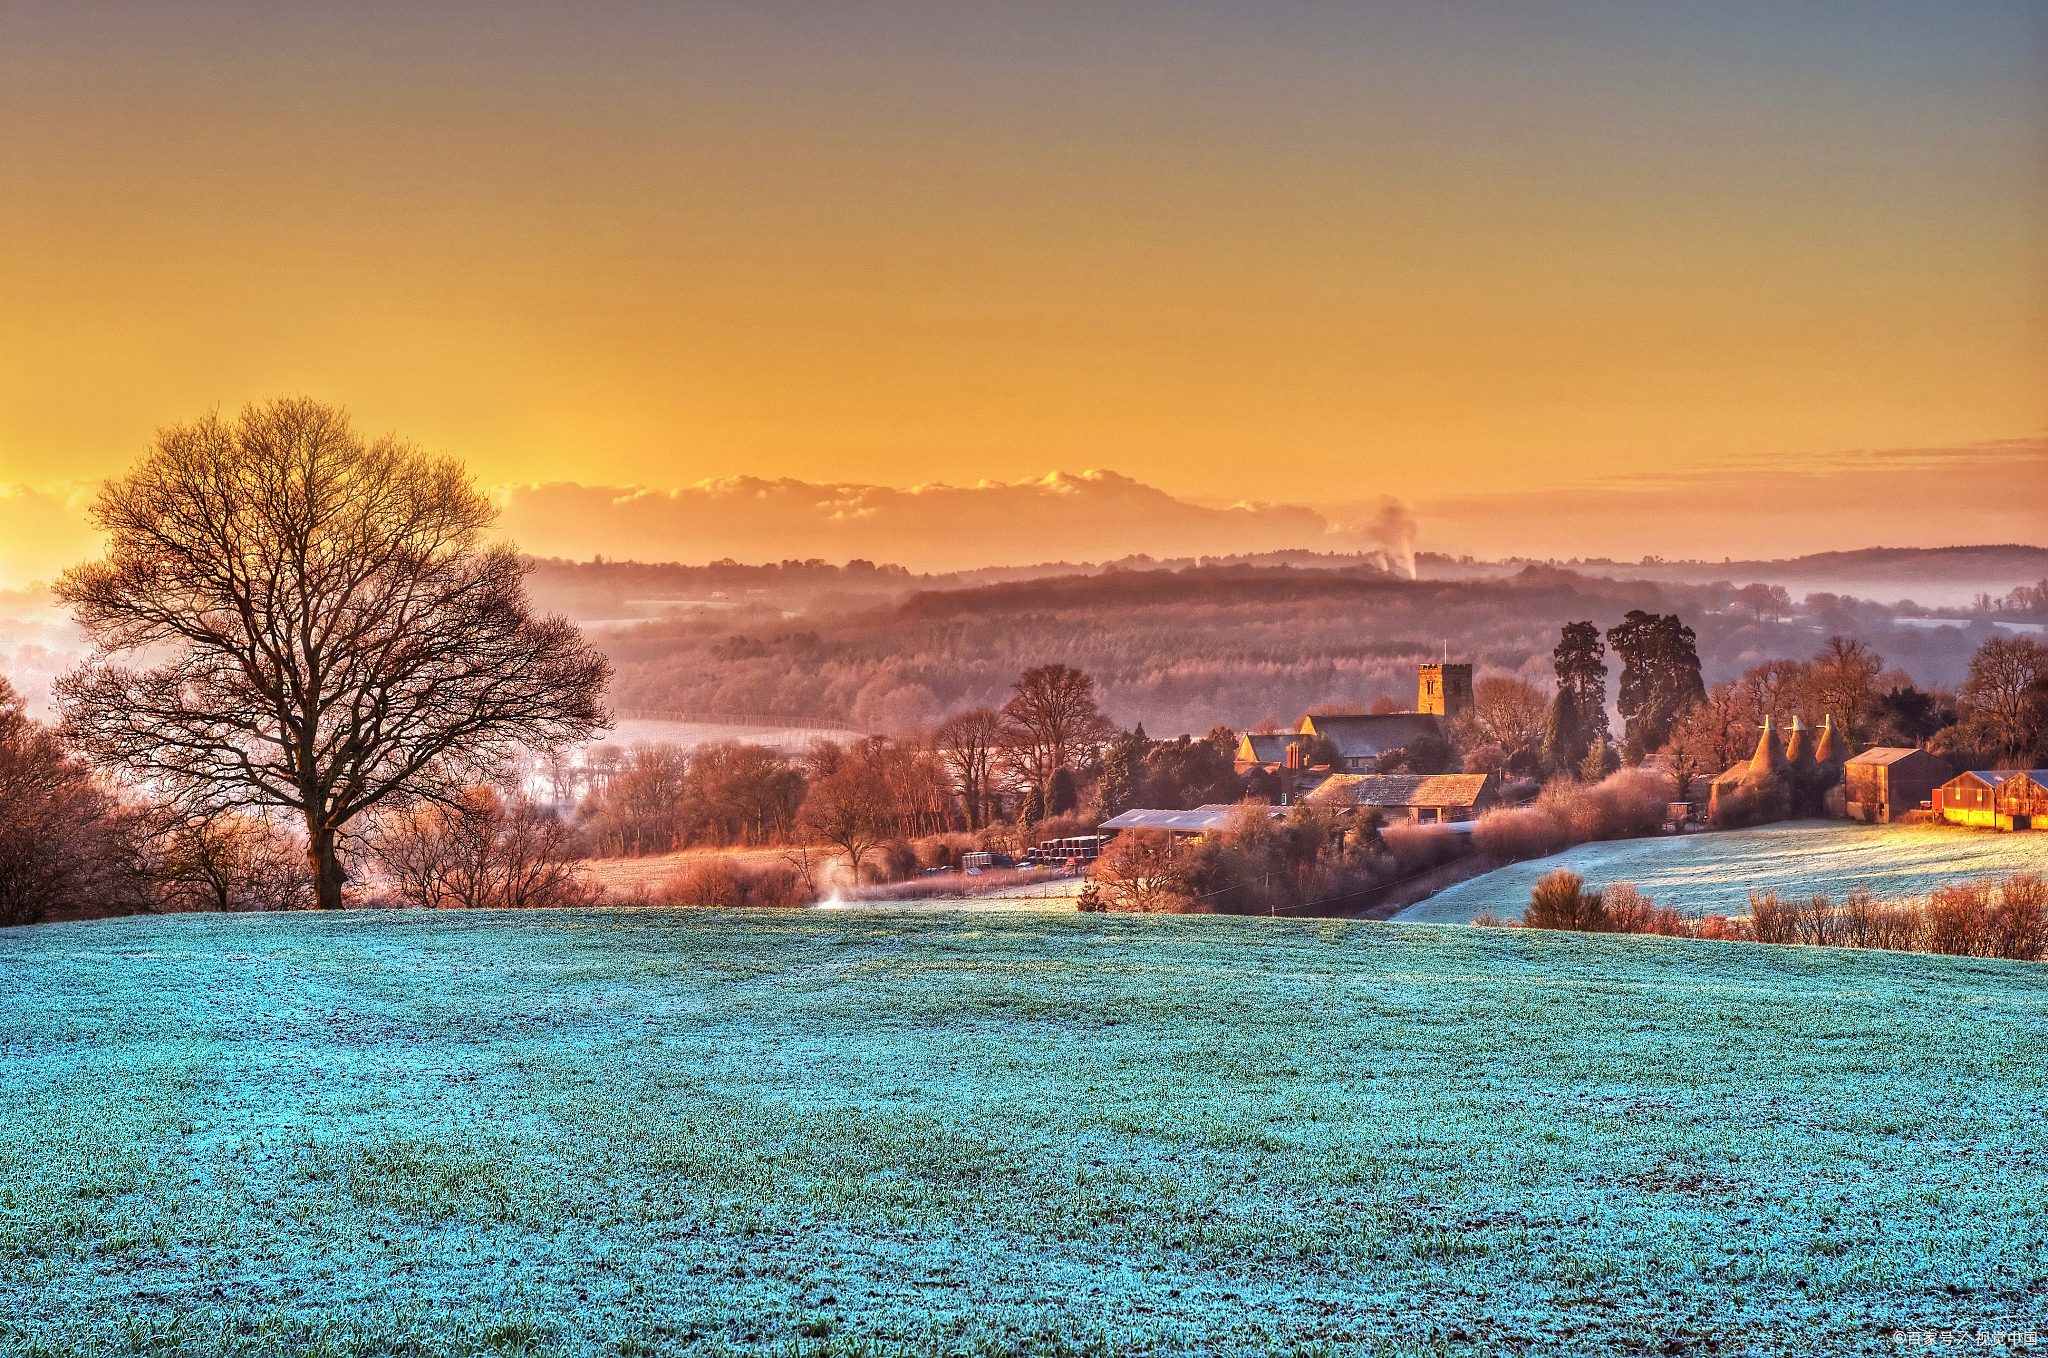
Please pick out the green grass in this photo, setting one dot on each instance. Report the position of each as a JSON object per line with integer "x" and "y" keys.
{"x": 851, "y": 1133}
{"x": 1713, "y": 874}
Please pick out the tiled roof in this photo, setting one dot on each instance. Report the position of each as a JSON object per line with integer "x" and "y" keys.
{"x": 1402, "y": 789}
{"x": 1884, "y": 755}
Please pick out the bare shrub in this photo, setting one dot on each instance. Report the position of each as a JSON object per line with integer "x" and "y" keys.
{"x": 232, "y": 861}
{"x": 1959, "y": 920}
{"x": 716, "y": 882}
{"x": 483, "y": 853}
{"x": 1486, "y": 919}
{"x": 1719, "y": 928}
{"x": 1856, "y": 924}
{"x": 710, "y": 883}
{"x": 1559, "y": 901}
{"x": 2019, "y": 926}
{"x": 1418, "y": 848}
{"x": 1814, "y": 923}
{"x": 1515, "y": 834}
{"x": 1625, "y": 909}
{"x": 1769, "y": 922}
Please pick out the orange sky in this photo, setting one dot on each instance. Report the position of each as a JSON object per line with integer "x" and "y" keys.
{"x": 1308, "y": 253}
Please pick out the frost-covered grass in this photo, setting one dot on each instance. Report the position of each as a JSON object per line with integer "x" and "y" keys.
{"x": 805, "y": 1132}
{"x": 1713, "y": 874}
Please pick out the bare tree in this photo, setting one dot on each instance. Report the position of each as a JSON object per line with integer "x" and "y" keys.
{"x": 339, "y": 638}
{"x": 1842, "y": 683}
{"x": 2006, "y": 698}
{"x": 970, "y": 743}
{"x": 66, "y": 845}
{"x": 849, "y": 810}
{"x": 1142, "y": 871}
{"x": 1509, "y": 712}
{"x": 1050, "y": 719}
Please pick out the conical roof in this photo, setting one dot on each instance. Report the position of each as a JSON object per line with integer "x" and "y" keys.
{"x": 1770, "y": 755}
{"x": 1798, "y": 749}
{"x": 1832, "y": 748}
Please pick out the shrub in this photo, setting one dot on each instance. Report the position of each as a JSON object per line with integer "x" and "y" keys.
{"x": 1769, "y": 922}
{"x": 717, "y": 882}
{"x": 1559, "y": 901}
{"x": 1090, "y": 901}
{"x": 2019, "y": 926}
{"x": 1517, "y": 833}
{"x": 1418, "y": 848}
{"x": 483, "y": 853}
{"x": 1959, "y": 920}
{"x": 1486, "y": 919}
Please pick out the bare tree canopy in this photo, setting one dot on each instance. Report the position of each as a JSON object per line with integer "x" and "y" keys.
{"x": 333, "y": 636}
{"x": 1051, "y": 719}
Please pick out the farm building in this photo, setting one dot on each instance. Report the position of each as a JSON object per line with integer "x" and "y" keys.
{"x": 1995, "y": 799}
{"x": 1793, "y": 778}
{"x": 1181, "y": 824}
{"x": 1884, "y": 784}
{"x": 1430, "y": 798}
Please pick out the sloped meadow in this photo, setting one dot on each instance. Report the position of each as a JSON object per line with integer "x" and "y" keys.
{"x": 638, "y": 1132}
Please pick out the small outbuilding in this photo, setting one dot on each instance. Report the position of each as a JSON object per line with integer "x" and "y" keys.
{"x": 1885, "y": 783}
{"x": 1181, "y": 824}
{"x": 1995, "y": 799}
{"x": 1429, "y": 798}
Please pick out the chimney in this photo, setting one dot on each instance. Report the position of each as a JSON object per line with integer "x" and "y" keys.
{"x": 1295, "y": 755}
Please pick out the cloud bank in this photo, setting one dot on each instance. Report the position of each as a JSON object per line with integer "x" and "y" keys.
{"x": 1095, "y": 516}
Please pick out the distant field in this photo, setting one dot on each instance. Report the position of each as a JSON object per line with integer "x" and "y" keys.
{"x": 1712, "y": 874}
{"x": 614, "y": 1132}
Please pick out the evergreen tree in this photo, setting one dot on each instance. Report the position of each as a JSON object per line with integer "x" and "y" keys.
{"x": 1660, "y": 676}
{"x": 1060, "y": 796}
{"x": 1564, "y": 739}
{"x": 1122, "y": 781}
{"x": 1600, "y": 760}
{"x": 1582, "y": 676}
{"x": 1031, "y": 807}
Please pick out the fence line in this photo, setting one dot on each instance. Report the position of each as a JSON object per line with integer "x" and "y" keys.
{"x": 759, "y": 720}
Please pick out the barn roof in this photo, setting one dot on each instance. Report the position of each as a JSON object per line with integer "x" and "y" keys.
{"x": 1883, "y": 755}
{"x": 1198, "y": 821}
{"x": 1369, "y": 737}
{"x": 1402, "y": 789}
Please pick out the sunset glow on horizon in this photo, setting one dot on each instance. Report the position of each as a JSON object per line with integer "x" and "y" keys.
{"x": 1535, "y": 271}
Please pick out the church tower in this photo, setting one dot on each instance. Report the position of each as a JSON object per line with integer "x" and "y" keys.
{"x": 1445, "y": 690}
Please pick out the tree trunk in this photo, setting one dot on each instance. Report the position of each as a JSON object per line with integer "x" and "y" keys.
{"x": 324, "y": 858}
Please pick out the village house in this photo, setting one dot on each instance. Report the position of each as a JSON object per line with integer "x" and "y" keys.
{"x": 1995, "y": 799}
{"x": 1882, "y": 784}
{"x": 1426, "y": 798}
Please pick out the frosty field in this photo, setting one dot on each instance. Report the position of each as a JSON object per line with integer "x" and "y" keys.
{"x": 1712, "y": 874}
{"x": 813, "y": 1132}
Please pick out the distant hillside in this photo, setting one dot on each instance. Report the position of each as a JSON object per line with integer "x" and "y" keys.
{"x": 1936, "y": 577}
{"x": 1183, "y": 650}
